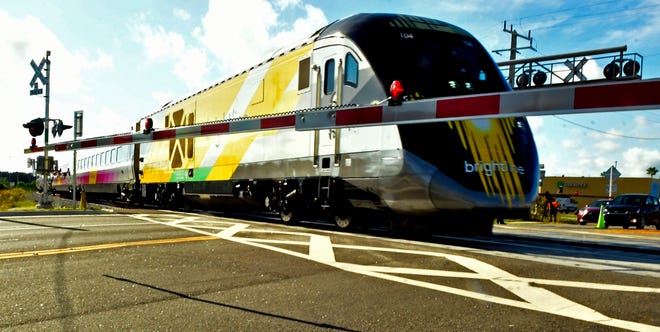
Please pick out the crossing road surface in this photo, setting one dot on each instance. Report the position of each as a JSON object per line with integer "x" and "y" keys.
{"x": 190, "y": 272}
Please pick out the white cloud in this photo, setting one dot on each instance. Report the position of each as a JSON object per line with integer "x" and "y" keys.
{"x": 193, "y": 66}
{"x": 569, "y": 143}
{"x": 162, "y": 97}
{"x": 158, "y": 43}
{"x": 189, "y": 63}
{"x": 637, "y": 160}
{"x": 535, "y": 122}
{"x": 606, "y": 146}
{"x": 239, "y": 43}
{"x": 284, "y": 4}
{"x": 181, "y": 14}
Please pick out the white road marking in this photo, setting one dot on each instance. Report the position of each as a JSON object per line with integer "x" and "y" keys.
{"x": 320, "y": 249}
{"x": 232, "y": 230}
{"x": 529, "y": 290}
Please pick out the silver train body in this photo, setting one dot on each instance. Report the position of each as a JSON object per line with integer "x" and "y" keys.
{"x": 472, "y": 170}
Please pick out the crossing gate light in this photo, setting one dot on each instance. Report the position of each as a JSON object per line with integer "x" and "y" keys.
{"x": 539, "y": 78}
{"x": 148, "y": 125}
{"x": 631, "y": 68}
{"x": 522, "y": 80}
{"x": 612, "y": 70}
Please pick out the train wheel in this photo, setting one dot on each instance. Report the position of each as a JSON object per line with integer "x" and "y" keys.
{"x": 343, "y": 220}
{"x": 287, "y": 216}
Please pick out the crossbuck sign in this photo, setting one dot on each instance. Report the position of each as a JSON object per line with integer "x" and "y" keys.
{"x": 37, "y": 75}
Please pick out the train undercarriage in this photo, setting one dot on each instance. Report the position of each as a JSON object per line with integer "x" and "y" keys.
{"x": 327, "y": 198}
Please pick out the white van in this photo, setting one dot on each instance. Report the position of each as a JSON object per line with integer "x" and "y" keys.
{"x": 566, "y": 204}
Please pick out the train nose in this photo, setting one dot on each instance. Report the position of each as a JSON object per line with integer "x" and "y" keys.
{"x": 445, "y": 193}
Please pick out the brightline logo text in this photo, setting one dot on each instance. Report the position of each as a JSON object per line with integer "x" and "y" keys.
{"x": 489, "y": 168}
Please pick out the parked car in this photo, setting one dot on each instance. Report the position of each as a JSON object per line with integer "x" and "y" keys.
{"x": 636, "y": 210}
{"x": 590, "y": 212}
{"x": 566, "y": 204}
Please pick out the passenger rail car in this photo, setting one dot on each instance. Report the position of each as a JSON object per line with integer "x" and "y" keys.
{"x": 473, "y": 170}
{"x": 107, "y": 173}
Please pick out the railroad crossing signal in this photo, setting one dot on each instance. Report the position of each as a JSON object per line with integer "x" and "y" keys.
{"x": 37, "y": 75}
{"x": 35, "y": 127}
{"x": 59, "y": 127}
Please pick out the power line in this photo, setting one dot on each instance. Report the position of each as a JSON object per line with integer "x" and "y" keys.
{"x": 590, "y": 6}
{"x": 588, "y": 16}
{"x": 605, "y": 132}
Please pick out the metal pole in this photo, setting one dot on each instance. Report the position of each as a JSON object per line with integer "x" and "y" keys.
{"x": 611, "y": 175}
{"x": 45, "y": 203}
{"x": 512, "y": 56}
{"x": 77, "y": 131}
{"x": 75, "y": 186}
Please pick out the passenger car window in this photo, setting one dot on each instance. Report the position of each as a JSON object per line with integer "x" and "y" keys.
{"x": 329, "y": 84}
{"x": 351, "y": 71}
{"x": 303, "y": 73}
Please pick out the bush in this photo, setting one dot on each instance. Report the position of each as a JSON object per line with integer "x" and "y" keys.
{"x": 13, "y": 198}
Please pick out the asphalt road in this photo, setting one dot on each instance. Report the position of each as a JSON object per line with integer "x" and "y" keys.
{"x": 165, "y": 271}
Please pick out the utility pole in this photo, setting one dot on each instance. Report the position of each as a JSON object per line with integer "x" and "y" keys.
{"x": 513, "y": 50}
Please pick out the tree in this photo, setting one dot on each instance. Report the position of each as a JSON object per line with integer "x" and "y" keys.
{"x": 652, "y": 171}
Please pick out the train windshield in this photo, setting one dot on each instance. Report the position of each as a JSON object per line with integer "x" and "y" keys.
{"x": 431, "y": 58}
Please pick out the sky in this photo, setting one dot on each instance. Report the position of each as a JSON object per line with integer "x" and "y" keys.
{"x": 121, "y": 60}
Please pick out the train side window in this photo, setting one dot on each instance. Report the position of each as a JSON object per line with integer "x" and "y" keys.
{"x": 351, "y": 71}
{"x": 329, "y": 84}
{"x": 120, "y": 154}
{"x": 303, "y": 73}
{"x": 113, "y": 156}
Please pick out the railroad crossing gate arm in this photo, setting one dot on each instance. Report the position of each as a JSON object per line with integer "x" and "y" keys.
{"x": 570, "y": 99}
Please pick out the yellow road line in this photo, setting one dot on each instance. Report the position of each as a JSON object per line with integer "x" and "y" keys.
{"x": 102, "y": 247}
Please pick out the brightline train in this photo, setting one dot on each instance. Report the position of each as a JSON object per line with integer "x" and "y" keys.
{"x": 470, "y": 170}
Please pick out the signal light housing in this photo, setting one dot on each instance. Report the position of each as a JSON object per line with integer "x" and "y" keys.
{"x": 522, "y": 80}
{"x": 631, "y": 68}
{"x": 148, "y": 126}
{"x": 611, "y": 70}
{"x": 396, "y": 92}
{"x": 35, "y": 127}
